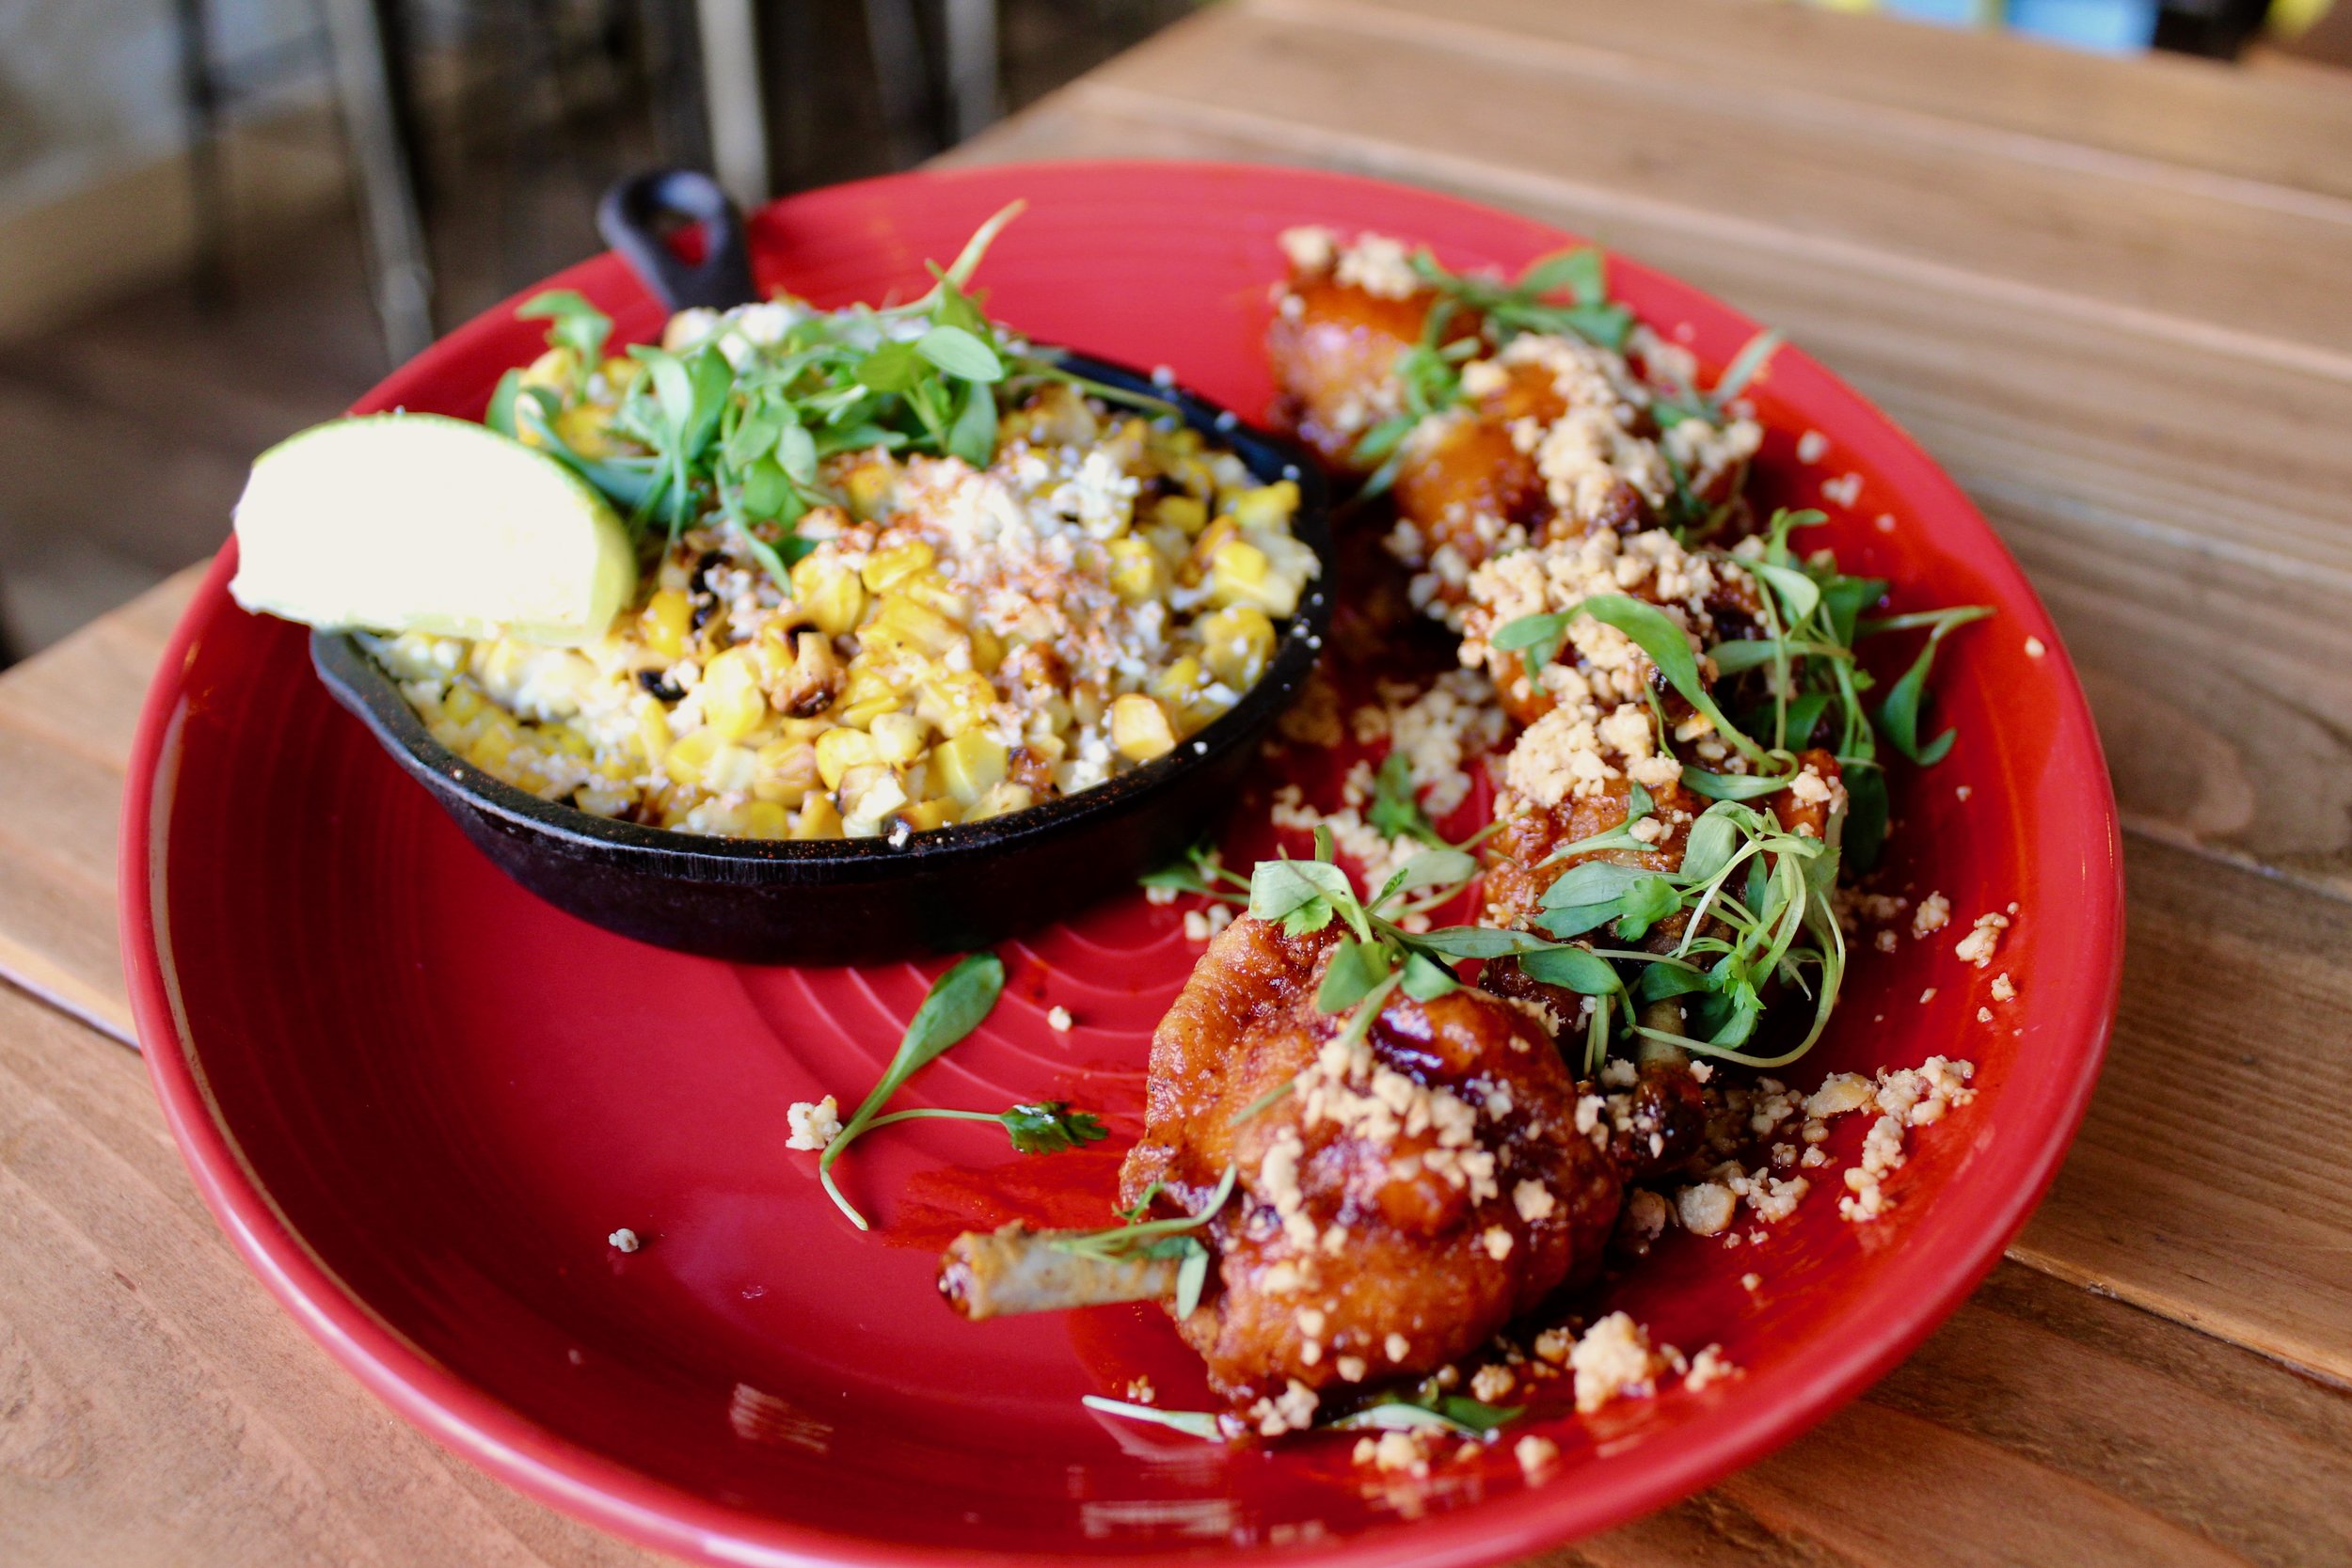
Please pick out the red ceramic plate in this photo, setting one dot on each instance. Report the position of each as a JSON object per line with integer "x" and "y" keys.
{"x": 420, "y": 1101}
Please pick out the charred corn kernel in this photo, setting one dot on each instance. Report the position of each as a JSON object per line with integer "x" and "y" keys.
{"x": 840, "y": 750}
{"x": 867, "y": 679}
{"x": 569, "y": 741}
{"x": 553, "y": 370}
{"x": 868, "y": 794}
{"x": 773, "y": 651}
{"x": 829, "y": 593}
{"x": 691, "y": 755}
{"x": 653, "y": 736}
{"x": 490, "y": 750}
{"x": 869, "y": 486}
{"x": 925, "y": 815}
{"x": 499, "y": 666}
{"x": 810, "y": 681}
{"x": 1001, "y": 798}
{"x": 1238, "y": 564}
{"x": 1177, "y": 685}
{"x": 604, "y": 799}
{"x": 765, "y": 819}
{"x": 664, "y": 623}
{"x": 904, "y": 624}
{"x": 1188, "y": 513}
{"x": 732, "y": 704}
{"x": 787, "y": 770}
{"x": 1137, "y": 573}
{"x": 931, "y": 590}
{"x": 1213, "y": 538}
{"x": 801, "y": 729}
{"x": 858, "y": 716}
{"x": 1240, "y": 573}
{"x": 817, "y": 817}
{"x": 884, "y": 568}
{"x": 1235, "y": 643}
{"x": 462, "y": 704}
{"x": 586, "y": 429}
{"x": 955, "y": 701}
{"x": 988, "y": 650}
{"x": 898, "y": 738}
{"x": 1268, "y": 506}
{"x": 1045, "y": 729}
{"x": 968, "y": 766}
{"x": 1140, "y": 727}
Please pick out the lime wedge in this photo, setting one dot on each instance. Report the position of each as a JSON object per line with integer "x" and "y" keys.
{"x": 413, "y": 522}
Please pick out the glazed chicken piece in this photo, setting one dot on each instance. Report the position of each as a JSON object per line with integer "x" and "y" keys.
{"x": 1334, "y": 345}
{"x": 1402, "y": 1201}
{"x": 1399, "y": 1198}
{"x": 1471, "y": 483}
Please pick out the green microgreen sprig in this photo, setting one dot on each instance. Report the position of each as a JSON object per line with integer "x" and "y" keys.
{"x": 741, "y": 434}
{"x": 1205, "y": 1424}
{"x": 1047, "y": 1127}
{"x": 953, "y": 1008}
{"x": 1531, "y": 304}
{"x": 1539, "y": 640}
{"x": 1200, "y": 872}
{"x": 1426, "y": 1408}
{"x": 1395, "y": 810}
{"x": 1429, "y": 1407}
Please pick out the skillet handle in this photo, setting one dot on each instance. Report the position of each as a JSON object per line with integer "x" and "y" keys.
{"x": 635, "y": 216}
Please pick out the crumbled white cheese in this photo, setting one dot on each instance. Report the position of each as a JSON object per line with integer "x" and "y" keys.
{"x": 1978, "y": 946}
{"x": 1933, "y": 913}
{"x": 813, "y": 1126}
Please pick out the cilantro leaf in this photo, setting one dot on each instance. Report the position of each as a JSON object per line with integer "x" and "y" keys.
{"x": 957, "y": 1002}
{"x": 1897, "y": 717}
{"x": 1395, "y": 810}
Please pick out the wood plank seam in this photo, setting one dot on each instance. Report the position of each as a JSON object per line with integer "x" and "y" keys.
{"x": 1942, "y": 132}
{"x": 1990, "y": 490}
{"x": 1394, "y": 159}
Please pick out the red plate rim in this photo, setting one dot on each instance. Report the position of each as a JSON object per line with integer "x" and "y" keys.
{"x": 1613, "y": 1489}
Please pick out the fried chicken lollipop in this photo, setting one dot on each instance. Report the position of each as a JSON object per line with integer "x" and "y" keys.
{"x": 1402, "y": 1190}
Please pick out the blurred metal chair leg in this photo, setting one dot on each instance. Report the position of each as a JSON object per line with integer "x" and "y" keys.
{"x": 969, "y": 33}
{"x": 400, "y": 268}
{"x": 735, "y": 101}
{"x": 896, "y": 45}
{"x": 208, "y": 189}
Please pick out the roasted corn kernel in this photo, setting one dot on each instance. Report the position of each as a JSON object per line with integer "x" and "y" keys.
{"x": 664, "y": 623}
{"x": 1235, "y": 644}
{"x": 1139, "y": 728}
{"x": 840, "y": 750}
{"x": 830, "y": 593}
{"x": 968, "y": 766}
{"x": 732, "y": 704}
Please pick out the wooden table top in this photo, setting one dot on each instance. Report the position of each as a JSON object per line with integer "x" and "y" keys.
{"x": 2109, "y": 296}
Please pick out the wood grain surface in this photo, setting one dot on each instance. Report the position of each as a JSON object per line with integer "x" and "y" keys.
{"x": 2107, "y": 294}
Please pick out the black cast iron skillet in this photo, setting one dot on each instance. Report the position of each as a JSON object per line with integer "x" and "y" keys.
{"x": 826, "y": 901}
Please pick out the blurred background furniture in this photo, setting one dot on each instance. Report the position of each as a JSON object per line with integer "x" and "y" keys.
{"x": 2106, "y": 293}
{"x": 222, "y": 219}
